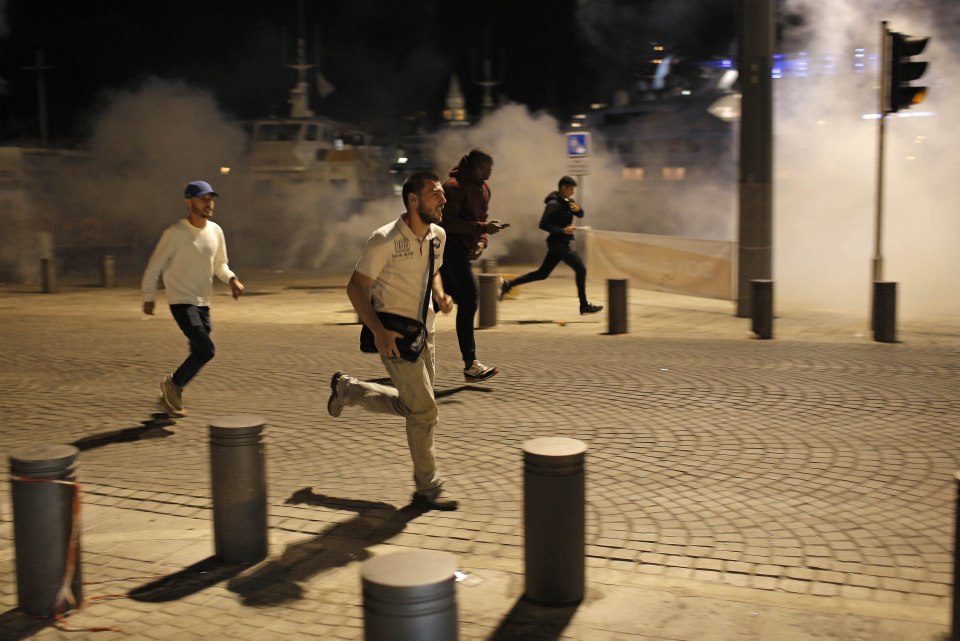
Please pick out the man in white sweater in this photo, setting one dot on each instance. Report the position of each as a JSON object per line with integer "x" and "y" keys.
{"x": 189, "y": 254}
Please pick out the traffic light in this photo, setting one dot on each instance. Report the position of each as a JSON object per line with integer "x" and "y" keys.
{"x": 901, "y": 94}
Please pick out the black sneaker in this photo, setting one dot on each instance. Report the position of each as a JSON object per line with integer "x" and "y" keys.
{"x": 590, "y": 308}
{"x": 504, "y": 287}
{"x": 437, "y": 502}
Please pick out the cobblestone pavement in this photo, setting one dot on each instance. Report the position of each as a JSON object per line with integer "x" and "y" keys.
{"x": 792, "y": 489}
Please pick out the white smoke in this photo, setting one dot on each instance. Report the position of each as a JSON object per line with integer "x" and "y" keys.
{"x": 826, "y": 176}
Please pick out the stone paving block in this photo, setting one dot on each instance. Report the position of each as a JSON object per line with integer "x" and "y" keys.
{"x": 748, "y": 456}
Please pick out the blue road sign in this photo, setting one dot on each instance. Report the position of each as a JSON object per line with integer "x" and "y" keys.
{"x": 578, "y": 144}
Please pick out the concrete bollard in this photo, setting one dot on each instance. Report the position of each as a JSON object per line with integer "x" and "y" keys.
{"x": 410, "y": 596}
{"x": 108, "y": 271}
{"x": 239, "y": 488}
{"x": 617, "y": 306}
{"x": 884, "y": 312}
{"x": 488, "y": 266}
{"x": 47, "y": 548}
{"x": 48, "y": 275}
{"x": 761, "y": 308}
{"x": 554, "y": 519}
{"x": 489, "y": 297}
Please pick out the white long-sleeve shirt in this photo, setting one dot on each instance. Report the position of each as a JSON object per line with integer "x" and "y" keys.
{"x": 188, "y": 257}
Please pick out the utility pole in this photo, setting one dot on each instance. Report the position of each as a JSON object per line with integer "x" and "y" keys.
{"x": 41, "y": 96}
{"x": 755, "y": 234}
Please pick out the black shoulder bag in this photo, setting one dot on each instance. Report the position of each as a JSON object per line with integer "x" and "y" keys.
{"x": 414, "y": 339}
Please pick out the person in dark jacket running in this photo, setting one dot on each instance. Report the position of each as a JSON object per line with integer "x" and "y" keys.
{"x": 557, "y": 221}
{"x": 468, "y": 231}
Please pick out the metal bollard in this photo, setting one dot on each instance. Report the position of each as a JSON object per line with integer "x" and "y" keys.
{"x": 108, "y": 271}
{"x": 955, "y": 621}
{"x": 410, "y": 596}
{"x": 239, "y": 487}
{"x": 554, "y": 519}
{"x": 49, "y": 580}
{"x": 489, "y": 295}
{"x": 884, "y": 312}
{"x": 617, "y": 306}
{"x": 488, "y": 266}
{"x": 761, "y": 307}
{"x": 48, "y": 275}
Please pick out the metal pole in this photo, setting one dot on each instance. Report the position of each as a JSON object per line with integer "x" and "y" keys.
{"x": 617, "y": 302}
{"x": 884, "y": 312}
{"x": 410, "y": 596}
{"x": 755, "y": 236}
{"x": 108, "y": 272}
{"x": 239, "y": 487}
{"x": 882, "y": 110}
{"x": 48, "y": 275}
{"x": 489, "y": 293}
{"x": 762, "y": 308}
{"x": 955, "y": 623}
{"x": 554, "y": 519}
{"x": 46, "y": 538}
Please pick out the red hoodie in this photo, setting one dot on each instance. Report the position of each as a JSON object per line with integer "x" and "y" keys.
{"x": 465, "y": 213}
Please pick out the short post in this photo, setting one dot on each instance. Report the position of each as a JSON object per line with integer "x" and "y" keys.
{"x": 617, "y": 305}
{"x": 239, "y": 488}
{"x": 488, "y": 266}
{"x": 48, "y": 275}
{"x": 554, "y": 520}
{"x": 47, "y": 546}
{"x": 410, "y": 596}
{"x": 761, "y": 312}
{"x": 884, "y": 312}
{"x": 108, "y": 271}
{"x": 955, "y": 621}
{"x": 489, "y": 295}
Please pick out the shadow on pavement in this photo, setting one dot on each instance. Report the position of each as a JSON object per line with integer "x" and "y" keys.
{"x": 278, "y": 581}
{"x": 15, "y": 625}
{"x": 190, "y": 580}
{"x": 151, "y": 428}
{"x": 438, "y": 393}
{"x": 529, "y": 621}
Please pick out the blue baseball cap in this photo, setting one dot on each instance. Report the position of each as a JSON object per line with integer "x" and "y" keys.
{"x": 199, "y": 188}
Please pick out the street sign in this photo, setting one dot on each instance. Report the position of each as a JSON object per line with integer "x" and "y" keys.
{"x": 578, "y": 144}
{"x": 578, "y": 153}
{"x": 578, "y": 166}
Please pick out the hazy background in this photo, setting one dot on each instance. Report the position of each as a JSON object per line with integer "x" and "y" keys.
{"x": 147, "y": 141}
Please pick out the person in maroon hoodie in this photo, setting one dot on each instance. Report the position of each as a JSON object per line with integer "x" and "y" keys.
{"x": 468, "y": 231}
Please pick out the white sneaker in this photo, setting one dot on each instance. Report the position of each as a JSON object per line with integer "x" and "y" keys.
{"x": 337, "y": 397}
{"x": 172, "y": 397}
{"x": 479, "y": 372}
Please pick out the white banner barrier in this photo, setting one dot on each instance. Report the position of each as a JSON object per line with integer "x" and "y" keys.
{"x": 671, "y": 264}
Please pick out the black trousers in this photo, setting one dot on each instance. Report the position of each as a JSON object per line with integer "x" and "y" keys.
{"x": 557, "y": 252}
{"x": 194, "y": 322}
{"x": 461, "y": 283}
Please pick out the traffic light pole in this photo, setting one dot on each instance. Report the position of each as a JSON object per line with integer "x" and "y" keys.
{"x": 883, "y": 102}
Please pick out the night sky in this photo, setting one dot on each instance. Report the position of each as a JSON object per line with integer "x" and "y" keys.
{"x": 386, "y": 59}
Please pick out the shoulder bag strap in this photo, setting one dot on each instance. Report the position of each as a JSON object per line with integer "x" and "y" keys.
{"x": 427, "y": 293}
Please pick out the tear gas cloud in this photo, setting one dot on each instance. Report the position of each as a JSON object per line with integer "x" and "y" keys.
{"x": 826, "y": 159}
{"x": 147, "y": 143}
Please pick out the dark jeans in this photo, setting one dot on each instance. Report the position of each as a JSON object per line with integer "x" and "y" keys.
{"x": 555, "y": 253}
{"x": 460, "y": 282}
{"x": 194, "y": 322}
